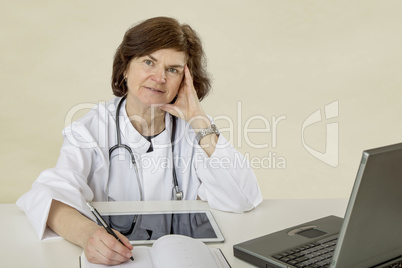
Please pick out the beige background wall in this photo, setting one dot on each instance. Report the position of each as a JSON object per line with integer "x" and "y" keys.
{"x": 270, "y": 61}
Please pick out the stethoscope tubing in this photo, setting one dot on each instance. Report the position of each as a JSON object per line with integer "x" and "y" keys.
{"x": 124, "y": 146}
{"x": 177, "y": 194}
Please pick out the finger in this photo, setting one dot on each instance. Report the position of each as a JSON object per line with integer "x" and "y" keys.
{"x": 101, "y": 254}
{"x": 118, "y": 251}
{"x": 187, "y": 75}
{"x": 167, "y": 108}
{"x": 173, "y": 109}
{"x": 124, "y": 239}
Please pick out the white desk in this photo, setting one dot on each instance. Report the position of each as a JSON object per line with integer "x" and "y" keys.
{"x": 20, "y": 246}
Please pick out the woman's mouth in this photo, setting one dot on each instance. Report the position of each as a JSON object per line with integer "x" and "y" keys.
{"x": 154, "y": 90}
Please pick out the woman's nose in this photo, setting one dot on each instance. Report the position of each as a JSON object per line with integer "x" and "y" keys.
{"x": 159, "y": 76}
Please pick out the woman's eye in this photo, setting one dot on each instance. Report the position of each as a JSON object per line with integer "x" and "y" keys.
{"x": 148, "y": 62}
{"x": 172, "y": 70}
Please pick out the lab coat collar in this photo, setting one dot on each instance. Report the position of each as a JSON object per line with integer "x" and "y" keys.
{"x": 131, "y": 137}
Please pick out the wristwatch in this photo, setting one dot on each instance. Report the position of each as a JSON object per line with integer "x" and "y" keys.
{"x": 212, "y": 129}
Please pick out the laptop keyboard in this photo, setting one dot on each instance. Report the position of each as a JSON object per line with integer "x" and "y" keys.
{"x": 393, "y": 264}
{"x": 311, "y": 255}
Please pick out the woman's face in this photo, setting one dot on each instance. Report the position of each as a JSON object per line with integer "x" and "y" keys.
{"x": 155, "y": 78}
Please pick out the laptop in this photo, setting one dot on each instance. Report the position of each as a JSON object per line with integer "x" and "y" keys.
{"x": 370, "y": 235}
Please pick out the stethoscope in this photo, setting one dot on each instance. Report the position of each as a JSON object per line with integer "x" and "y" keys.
{"x": 177, "y": 194}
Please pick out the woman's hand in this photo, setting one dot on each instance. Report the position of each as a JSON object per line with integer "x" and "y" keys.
{"x": 187, "y": 105}
{"x": 100, "y": 247}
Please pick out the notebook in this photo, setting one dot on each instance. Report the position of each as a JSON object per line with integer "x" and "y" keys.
{"x": 370, "y": 235}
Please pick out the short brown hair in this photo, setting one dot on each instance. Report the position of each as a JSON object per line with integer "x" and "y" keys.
{"x": 161, "y": 33}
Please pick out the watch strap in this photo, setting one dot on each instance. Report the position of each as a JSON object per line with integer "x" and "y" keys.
{"x": 212, "y": 129}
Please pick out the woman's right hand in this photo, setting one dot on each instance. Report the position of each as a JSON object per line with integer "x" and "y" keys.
{"x": 101, "y": 247}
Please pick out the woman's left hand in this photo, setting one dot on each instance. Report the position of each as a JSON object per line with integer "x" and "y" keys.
{"x": 187, "y": 105}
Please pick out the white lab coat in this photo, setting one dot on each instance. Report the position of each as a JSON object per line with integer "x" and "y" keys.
{"x": 84, "y": 173}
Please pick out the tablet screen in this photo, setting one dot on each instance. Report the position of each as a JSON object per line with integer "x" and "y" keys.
{"x": 146, "y": 227}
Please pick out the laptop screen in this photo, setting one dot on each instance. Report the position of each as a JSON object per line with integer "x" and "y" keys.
{"x": 372, "y": 232}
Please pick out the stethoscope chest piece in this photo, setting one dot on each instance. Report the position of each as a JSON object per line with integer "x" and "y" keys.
{"x": 177, "y": 194}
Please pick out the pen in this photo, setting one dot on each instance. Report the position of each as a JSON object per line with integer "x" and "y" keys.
{"x": 104, "y": 224}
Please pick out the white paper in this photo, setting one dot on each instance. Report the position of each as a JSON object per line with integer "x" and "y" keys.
{"x": 175, "y": 251}
{"x": 142, "y": 259}
{"x": 170, "y": 251}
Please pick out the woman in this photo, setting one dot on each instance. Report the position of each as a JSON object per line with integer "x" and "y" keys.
{"x": 138, "y": 145}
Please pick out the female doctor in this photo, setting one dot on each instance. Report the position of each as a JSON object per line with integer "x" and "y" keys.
{"x": 152, "y": 142}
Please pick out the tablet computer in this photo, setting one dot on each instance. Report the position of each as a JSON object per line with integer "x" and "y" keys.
{"x": 147, "y": 227}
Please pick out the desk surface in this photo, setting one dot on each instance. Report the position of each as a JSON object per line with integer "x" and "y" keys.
{"x": 20, "y": 247}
